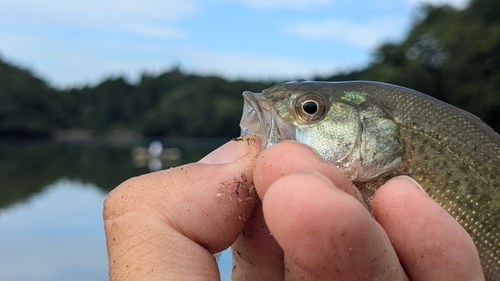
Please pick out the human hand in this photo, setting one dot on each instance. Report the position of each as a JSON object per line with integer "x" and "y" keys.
{"x": 167, "y": 225}
{"x": 324, "y": 232}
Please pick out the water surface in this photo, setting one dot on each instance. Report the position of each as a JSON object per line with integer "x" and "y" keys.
{"x": 51, "y": 198}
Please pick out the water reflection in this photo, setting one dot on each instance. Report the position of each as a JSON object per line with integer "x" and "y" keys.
{"x": 56, "y": 235}
{"x": 51, "y": 202}
{"x": 26, "y": 168}
{"x": 154, "y": 155}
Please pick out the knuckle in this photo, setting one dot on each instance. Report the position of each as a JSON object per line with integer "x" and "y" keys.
{"x": 121, "y": 199}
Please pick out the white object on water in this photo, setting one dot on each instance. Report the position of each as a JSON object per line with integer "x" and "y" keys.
{"x": 155, "y": 148}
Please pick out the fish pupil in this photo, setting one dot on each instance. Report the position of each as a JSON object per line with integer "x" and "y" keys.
{"x": 310, "y": 107}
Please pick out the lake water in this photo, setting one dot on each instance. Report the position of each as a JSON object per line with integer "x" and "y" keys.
{"x": 51, "y": 196}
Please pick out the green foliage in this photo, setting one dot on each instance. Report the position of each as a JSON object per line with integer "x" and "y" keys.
{"x": 173, "y": 104}
{"x": 28, "y": 106}
{"x": 451, "y": 54}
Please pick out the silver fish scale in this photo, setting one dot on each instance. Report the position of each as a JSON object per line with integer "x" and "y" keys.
{"x": 456, "y": 159}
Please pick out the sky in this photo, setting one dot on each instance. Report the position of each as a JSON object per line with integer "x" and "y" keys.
{"x": 80, "y": 42}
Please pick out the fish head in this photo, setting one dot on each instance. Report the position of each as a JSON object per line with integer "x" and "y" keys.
{"x": 341, "y": 123}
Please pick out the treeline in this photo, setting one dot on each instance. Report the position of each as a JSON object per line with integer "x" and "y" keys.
{"x": 451, "y": 54}
{"x": 173, "y": 104}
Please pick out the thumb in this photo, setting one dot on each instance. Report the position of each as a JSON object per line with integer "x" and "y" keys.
{"x": 168, "y": 223}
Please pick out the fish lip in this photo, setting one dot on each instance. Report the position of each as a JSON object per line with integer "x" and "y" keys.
{"x": 253, "y": 113}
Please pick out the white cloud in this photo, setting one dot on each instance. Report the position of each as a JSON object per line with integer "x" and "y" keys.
{"x": 158, "y": 31}
{"x": 73, "y": 42}
{"x": 96, "y": 11}
{"x": 313, "y": 4}
{"x": 366, "y": 35}
{"x": 416, "y": 3}
{"x": 454, "y": 3}
{"x": 157, "y": 9}
{"x": 98, "y": 15}
{"x": 283, "y": 4}
{"x": 234, "y": 65}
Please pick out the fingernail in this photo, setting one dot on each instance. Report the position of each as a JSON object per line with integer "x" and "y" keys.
{"x": 413, "y": 182}
{"x": 227, "y": 153}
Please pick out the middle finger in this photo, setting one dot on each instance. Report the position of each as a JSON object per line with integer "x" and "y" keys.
{"x": 326, "y": 233}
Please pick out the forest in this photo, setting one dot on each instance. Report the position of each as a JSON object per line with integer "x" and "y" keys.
{"x": 451, "y": 54}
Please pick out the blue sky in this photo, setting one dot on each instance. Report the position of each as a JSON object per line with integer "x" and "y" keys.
{"x": 77, "y": 42}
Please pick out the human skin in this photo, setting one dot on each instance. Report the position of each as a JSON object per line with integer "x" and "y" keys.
{"x": 298, "y": 219}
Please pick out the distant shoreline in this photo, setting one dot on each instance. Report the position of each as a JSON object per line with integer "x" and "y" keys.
{"x": 118, "y": 136}
{"x": 87, "y": 135}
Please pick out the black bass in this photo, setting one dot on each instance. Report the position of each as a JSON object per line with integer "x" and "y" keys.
{"x": 374, "y": 131}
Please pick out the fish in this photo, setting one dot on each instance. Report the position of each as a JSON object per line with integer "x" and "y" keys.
{"x": 375, "y": 131}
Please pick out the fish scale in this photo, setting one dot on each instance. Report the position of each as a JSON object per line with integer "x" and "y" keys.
{"x": 458, "y": 194}
{"x": 439, "y": 131}
{"x": 450, "y": 152}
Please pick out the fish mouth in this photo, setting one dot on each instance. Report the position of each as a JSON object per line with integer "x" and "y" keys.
{"x": 256, "y": 111}
{"x": 260, "y": 119}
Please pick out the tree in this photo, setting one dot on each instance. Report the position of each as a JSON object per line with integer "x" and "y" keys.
{"x": 451, "y": 54}
{"x": 29, "y": 106}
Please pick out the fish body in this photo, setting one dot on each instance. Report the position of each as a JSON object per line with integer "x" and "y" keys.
{"x": 375, "y": 131}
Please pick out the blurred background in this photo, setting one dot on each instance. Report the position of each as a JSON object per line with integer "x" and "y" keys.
{"x": 86, "y": 87}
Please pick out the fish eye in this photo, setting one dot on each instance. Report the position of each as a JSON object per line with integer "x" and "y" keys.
{"x": 310, "y": 107}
